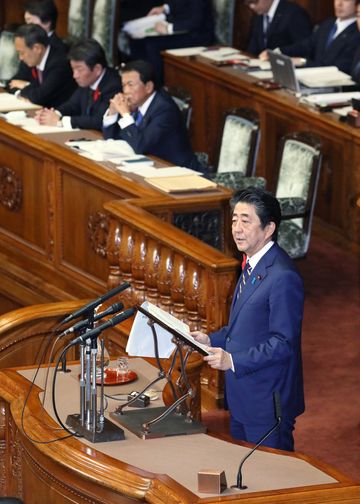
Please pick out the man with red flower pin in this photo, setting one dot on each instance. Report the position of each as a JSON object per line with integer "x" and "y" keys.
{"x": 97, "y": 83}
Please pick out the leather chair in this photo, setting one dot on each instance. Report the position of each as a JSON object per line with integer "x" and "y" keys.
{"x": 79, "y": 17}
{"x": 183, "y": 100}
{"x": 9, "y": 60}
{"x": 224, "y": 11}
{"x": 299, "y": 161}
{"x": 238, "y": 149}
{"x": 105, "y": 26}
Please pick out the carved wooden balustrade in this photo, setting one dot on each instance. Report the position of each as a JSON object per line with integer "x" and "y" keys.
{"x": 172, "y": 270}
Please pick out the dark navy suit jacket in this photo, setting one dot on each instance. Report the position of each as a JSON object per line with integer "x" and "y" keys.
{"x": 355, "y": 69}
{"x": 263, "y": 336}
{"x": 86, "y": 113}
{"x": 57, "y": 85}
{"x": 161, "y": 133}
{"x": 340, "y": 52}
{"x": 289, "y": 24}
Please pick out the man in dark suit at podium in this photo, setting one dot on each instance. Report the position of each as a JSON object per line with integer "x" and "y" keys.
{"x": 147, "y": 118}
{"x": 49, "y": 81}
{"x": 333, "y": 43}
{"x": 276, "y": 23}
{"x": 260, "y": 347}
{"x": 97, "y": 83}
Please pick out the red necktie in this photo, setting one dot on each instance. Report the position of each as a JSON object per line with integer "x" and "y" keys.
{"x": 34, "y": 73}
{"x": 96, "y": 94}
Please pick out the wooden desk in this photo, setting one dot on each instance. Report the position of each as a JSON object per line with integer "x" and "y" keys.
{"x": 215, "y": 90}
{"x": 74, "y": 471}
{"x": 53, "y": 227}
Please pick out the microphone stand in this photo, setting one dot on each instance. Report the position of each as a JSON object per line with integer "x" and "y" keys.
{"x": 239, "y": 484}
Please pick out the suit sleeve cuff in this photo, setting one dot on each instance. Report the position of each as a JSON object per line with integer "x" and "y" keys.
{"x": 126, "y": 120}
{"x": 66, "y": 122}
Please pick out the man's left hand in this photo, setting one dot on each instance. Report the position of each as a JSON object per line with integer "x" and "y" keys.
{"x": 218, "y": 359}
{"x": 18, "y": 84}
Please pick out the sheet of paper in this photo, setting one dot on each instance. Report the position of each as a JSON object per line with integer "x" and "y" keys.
{"x": 261, "y": 74}
{"x": 9, "y": 102}
{"x": 31, "y": 125}
{"x": 186, "y": 51}
{"x": 141, "y": 342}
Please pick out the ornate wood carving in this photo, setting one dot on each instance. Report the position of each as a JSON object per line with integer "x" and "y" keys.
{"x": 98, "y": 227}
{"x": 10, "y": 189}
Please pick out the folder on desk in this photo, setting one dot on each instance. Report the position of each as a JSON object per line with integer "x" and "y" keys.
{"x": 182, "y": 183}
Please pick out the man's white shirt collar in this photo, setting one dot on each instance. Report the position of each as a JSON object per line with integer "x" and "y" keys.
{"x": 42, "y": 63}
{"x": 253, "y": 260}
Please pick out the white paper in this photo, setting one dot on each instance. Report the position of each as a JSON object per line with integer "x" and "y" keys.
{"x": 10, "y": 102}
{"x": 328, "y": 98}
{"x": 30, "y": 124}
{"x": 317, "y": 77}
{"x": 141, "y": 343}
{"x": 186, "y": 51}
{"x": 102, "y": 150}
{"x": 261, "y": 74}
{"x": 222, "y": 53}
{"x": 142, "y": 27}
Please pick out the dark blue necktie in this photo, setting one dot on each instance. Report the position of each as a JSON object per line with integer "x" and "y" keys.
{"x": 331, "y": 35}
{"x": 138, "y": 117}
{"x": 244, "y": 277}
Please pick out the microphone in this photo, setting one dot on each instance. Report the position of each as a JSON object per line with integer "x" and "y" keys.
{"x": 93, "y": 304}
{"x": 116, "y": 307}
{"x": 277, "y": 408}
{"x": 94, "y": 333}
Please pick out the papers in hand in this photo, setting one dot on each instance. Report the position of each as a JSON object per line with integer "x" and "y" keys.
{"x": 141, "y": 342}
{"x": 9, "y": 102}
{"x": 142, "y": 27}
{"x": 102, "y": 150}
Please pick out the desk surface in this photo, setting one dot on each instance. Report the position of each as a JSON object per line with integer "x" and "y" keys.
{"x": 215, "y": 90}
{"x": 130, "y": 467}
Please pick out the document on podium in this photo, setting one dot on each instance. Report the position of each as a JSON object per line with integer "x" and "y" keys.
{"x": 141, "y": 342}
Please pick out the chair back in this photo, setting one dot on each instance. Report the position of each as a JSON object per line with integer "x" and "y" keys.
{"x": 239, "y": 142}
{"x": 223, "y": 11}
{"x": 79, "y": 16}
{"x": 105, "y": 27}
{"x": 300, "y": 160}
{"x": 183, "y": 100}
{"x": 9, "y": 60}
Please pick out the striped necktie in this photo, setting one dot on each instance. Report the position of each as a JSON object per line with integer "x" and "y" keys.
{"x": 266, "y": 24}
{"x": 245, "y": 276}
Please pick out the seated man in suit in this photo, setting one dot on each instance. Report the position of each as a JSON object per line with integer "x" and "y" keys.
{"x": 49, "y": 79}
{"x": 276, "y": 23}
{"x": 150, "y": 121}
{"x": 44, "y": 13}
{"x": 192, "y": 19}
{"x": 260, "y": 347}
{"x": 97, "y": 83}
{"x": 333, "y": 43}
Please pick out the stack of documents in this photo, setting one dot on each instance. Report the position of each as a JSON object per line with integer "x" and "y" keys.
{"x": 102, "y": 150}
{"x": 143, "y": 27}
{"x": 9, "y": 102}
{"x": 186, "y": 51}
{"x": 322, "y": 77}
{"x": 222, "y": 53}
{"x": 330, "y": 99}
{"x": 182, "y": 183}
